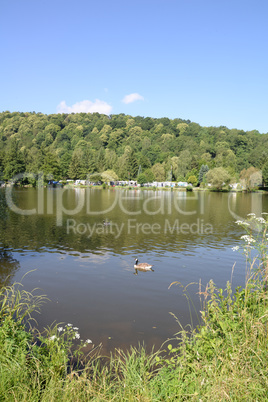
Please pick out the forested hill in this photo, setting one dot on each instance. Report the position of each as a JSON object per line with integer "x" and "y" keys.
{"x": 75, "y": 145}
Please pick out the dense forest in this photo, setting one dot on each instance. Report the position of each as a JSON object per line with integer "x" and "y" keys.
{"x": 76, "y": 146}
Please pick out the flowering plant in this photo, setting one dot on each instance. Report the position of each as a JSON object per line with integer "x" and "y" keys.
{"x": 255, "y": 244}
{"x": 58, "y": 348}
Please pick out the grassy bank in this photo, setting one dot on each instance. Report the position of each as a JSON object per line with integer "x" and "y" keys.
{"x": 224, "y": 359}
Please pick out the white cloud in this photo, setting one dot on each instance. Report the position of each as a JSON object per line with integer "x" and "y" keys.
{"x": 132, "y": 98}
{"x": 85, "y": 106}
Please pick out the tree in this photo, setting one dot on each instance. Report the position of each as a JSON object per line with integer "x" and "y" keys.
{"x": 100, "y": 160}
{"x": 149, "y": 175}
{"x": 48, "y": 140}
{"x": 121, "y": 167}
{"x": 146, "y": 143}
{"x": 65, "y": 161}
{"x": 184, "y": 163}
{"x": 52, "y": 129}
{"x": 51, "y": 165}
{"x": 109, "y": 175}
{"x": 251, "y": 178}
{"x": 110, "y": 158}
{"x": 202, "y": 173}
{"x": 144, "y": 162}
{"x": 159, "y": 172}
{"x": 265, "y": 174}
{"x": 13, "y": 161}
{"x": 193, "y": 180}
{"x": 77, "y": 168}
{"x": 132, "y": 165}
{"x": 90, "y": 157}
{"x": 115, "y": 138}
{"x": 147, "y": 123}
{"x": 218, "y": 177}
{"x": 95, "y": 177}
{"x": 142, "y": 179}
{"x": 182, "y": 127}
{"x": 34, "y": 160}
{"x": 206, "y": 158}
{"x": 104, "y": 134}
{"x": 82, "y": 144}
{"x": 1, "y": 165}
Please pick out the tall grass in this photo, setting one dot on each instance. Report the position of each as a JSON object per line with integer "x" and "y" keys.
{"x": 225, "y": 358}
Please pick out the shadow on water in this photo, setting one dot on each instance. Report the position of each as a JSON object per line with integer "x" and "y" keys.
{"x": 8, "y": 267}
{"x": 8, "y": 264}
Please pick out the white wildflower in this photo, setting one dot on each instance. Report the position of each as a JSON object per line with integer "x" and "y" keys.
{"x": 261, "y": 220}
{"x": 75, "y": 328}
{"x": 77, "y": 335}
{"x": 252, "y": 214}
{"x": 248, "y": 239}
{"x": 264, "y": 213}
{"x": 87, "y": 341}
{"x": 242, "y": 223}
{"x": 235, "y": 248}
{"x": 52, "y": 338}
{"x": 60, "y": 329}
{"x": 69, "y": 325}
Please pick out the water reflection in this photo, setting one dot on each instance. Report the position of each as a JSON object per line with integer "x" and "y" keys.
{"x": 142, "y": 270}
{"x": 148, "y": 218}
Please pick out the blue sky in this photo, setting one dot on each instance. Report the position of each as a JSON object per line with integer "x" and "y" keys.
{"x": 206, "y": 61}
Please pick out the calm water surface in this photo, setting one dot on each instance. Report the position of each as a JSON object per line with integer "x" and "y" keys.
{"x": 86, "y": 268}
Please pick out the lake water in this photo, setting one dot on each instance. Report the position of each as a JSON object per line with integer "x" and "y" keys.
{"x": 87, "y": 269}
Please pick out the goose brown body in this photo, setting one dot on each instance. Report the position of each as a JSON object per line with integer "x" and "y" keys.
{"x": 143, "y": 266}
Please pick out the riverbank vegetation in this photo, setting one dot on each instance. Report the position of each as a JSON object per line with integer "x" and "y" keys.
{"x": 77, "y": 146}
{"x": 225, "y": 358}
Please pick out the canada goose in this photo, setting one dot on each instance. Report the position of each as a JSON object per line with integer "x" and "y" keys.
{"x": 143, "y": 266}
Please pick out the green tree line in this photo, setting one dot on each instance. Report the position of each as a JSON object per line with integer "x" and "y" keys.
{"x": 78, "y": 145}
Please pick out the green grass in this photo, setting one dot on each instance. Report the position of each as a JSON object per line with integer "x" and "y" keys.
{"x": 225, "y": 358}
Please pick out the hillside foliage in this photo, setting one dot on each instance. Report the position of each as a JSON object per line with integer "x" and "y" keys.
{"x": 77, "y": 145}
